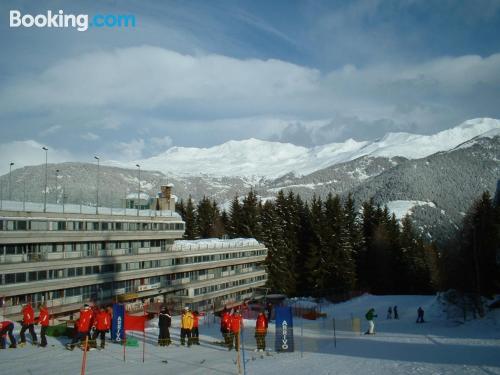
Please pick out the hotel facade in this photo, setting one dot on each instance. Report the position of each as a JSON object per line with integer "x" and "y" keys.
{"x": 77, "y": 256}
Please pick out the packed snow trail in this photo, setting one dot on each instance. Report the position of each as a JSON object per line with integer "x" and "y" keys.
{"x": 401, "y": 346}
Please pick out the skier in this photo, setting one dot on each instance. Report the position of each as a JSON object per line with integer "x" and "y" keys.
{"x": 195, "y": 333}
{"x": 389, "y": 313}
{"x": 28, "y": 324}
{"x": 420, "y": 315}
{"x": 82, "y": 328}
{"x": 234, "y": 330}
{"x": 396, "y": 315}
{"x": 102, "y": 325}
{"x": 225, "y": 319}
{"x": 186, "y": 326}
{"x": 43, "y": 320}
{"x": 269, "y": 309}
{"x": 6, "y": 328}
{"x": 164, "y": 323}
{"x": 260, "y": 331}
{"x": 371, "y": 325}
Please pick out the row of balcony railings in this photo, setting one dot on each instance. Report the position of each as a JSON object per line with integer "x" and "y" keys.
{"x": 105, "y": 295}
{"x": 178, "y": 246}
{"x": 71, "y": 208}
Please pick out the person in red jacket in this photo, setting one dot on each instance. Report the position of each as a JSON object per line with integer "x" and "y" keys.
{"x": 261, "y": 331}
{"x": 195, "y": 333}
{"x": 83, "y": 327}
{"x": 225, "y": 319}
{"x": 6, "y": 328}
{"x": 235, "y": 325}
{"x": 102, "y": 325}
{"x": 43, "y": 320}
{"x": 28, "y": 324}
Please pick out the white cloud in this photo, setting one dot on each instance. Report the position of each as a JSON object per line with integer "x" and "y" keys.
{"x": 29, "y": 152}
{"x": 159, "y": 144}
{"x": 128, "y": 151}
{"x": 50, "y": 130}
{"x": 90, "y": 136}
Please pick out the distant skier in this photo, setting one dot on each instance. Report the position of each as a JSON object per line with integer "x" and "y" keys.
{"x": 261, "y": 331}
{"x": 195, "y": 333}
{"x": 102, "y": 325}
{"x": 371, "y": 325}
{"x": 28, "y": 324}
{"x": 395, "y": 310}
{"x": 6, "y": 328}
{"x": 186, "y": 326}
{"x": 234, "y": 330}
{"x": 164, "y": 323}
{"x": 82, "y": 327}
{"x": 420, "y": 315}
{"x": 389, "y": 313}
{"x": 43, "y": 320}
{"x": 269, "y": 309}
{"x": 225, "y": 320}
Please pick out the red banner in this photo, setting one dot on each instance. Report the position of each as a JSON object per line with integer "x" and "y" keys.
{"x": 135, "y": 323}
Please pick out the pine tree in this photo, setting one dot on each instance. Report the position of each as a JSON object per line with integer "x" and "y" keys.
{"x": 235, "y": 228}
{"x": 249, "y": 216}
{"x": 189, "y": 218}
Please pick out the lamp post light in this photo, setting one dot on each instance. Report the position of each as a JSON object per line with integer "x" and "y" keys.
{"x": 97, "y": 186}
{"x": 139, "y": 189}
{"x": 45, "y": 191}
{"x": 57, "y": 185}
{"x": 10, "y": 180}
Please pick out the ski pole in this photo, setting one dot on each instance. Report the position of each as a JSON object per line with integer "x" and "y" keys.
{"x": 84, "y": 359}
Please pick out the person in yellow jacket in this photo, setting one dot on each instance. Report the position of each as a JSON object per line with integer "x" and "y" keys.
{"x": 187, "y": 320}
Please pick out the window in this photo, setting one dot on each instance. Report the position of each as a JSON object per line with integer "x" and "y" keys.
{"x": 32, "y": 276}
{"x": 105, "y": 226}
{"x": 61, "y": 225}
{"x": 21, "y": 277}
{"x": 42, "y": 275}
{"x": 39, "y": 225}
{"x": 10, "y": 278}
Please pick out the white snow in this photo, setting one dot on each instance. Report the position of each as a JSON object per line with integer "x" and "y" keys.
{"x": 256, "y": 159}
{"x": 401, "y": 346}
{"x": 403, "y": 208}
{"x": 213, "y": 243}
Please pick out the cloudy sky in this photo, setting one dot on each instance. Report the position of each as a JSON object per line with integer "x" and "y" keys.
{"x": 199, "y": 73}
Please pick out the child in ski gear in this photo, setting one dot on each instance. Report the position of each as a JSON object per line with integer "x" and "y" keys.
{"x": 396, "y": 315}
{"x": 195, "y": 333}
{"x": 234, "y": 330}
{"x": 225, "y": 319}
{"x": 261, "y": 331}
{"x": 420, "y": 315}
{"x": 6, "y": 328}
{"x": 389, "y": 313}
{"x": 186, "y": 326}
{"x": 164, "y": 323}
{"x": 102, "y": 325}
{"x": 43, "y": 320}
{"x": 83, "y": 327}
{"x": 28, "y": 324}
{"x": 371, "y": 325}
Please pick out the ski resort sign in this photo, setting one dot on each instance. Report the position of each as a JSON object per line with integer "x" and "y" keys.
{"x": 117, "y": 326}
{"x": 284, "y": 329}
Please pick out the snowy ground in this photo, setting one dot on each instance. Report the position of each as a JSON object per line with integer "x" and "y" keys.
{"x": 439, "y": 346}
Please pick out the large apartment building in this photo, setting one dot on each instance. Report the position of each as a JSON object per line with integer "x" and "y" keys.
{"x": 76, "y": 256}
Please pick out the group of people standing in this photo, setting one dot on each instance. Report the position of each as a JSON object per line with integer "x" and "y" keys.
{"x": 231, "y": 323}
{"x": 27, "y": 324}
{"x": 190, "y": 334}
{"x": 90, "y": 325}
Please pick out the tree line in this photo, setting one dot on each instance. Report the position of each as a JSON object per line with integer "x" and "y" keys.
{"x": 330, "y": 248}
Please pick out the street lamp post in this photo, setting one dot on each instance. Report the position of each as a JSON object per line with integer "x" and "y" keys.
{"x": 139, "y": 189}
{"x": 10, "y": 180}
{"x": 45, "y": 191}
{"x": 57, "y": 185}
{"x": 97, "y": 186}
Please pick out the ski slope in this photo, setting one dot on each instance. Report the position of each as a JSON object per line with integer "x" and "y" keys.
{"x": 439, "y": 346}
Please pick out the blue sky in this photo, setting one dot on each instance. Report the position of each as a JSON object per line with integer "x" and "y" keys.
{"x": 199, "y": 73}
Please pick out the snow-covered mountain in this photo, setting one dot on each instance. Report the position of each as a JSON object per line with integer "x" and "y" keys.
{"x": 257, "y": 158}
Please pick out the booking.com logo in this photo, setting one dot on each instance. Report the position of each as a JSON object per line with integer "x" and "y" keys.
{"x": 78, "y": 21}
